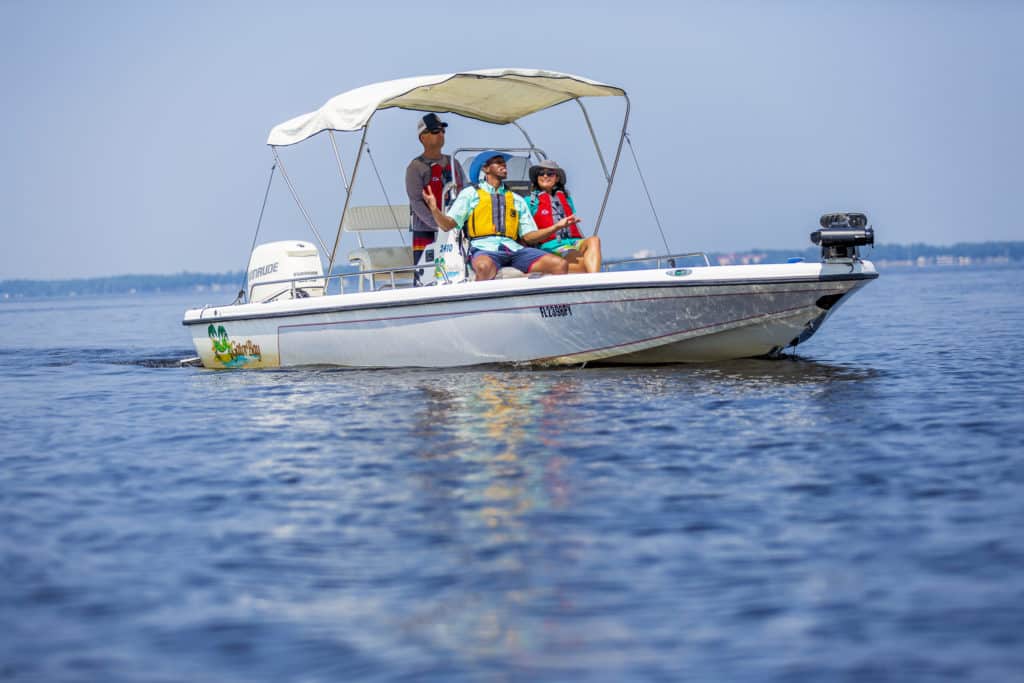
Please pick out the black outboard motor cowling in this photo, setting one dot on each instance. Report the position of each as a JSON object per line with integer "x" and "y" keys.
{"x": 841, "y": 234}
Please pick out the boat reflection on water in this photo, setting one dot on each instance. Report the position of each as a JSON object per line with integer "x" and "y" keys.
{"x": 521, "y": 465}
{"x": 500, "y": 423}
{"x": 522, "y": 516}
{"x": 498, "y": 506}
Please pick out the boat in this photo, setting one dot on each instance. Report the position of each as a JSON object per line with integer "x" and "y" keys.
{"x": 383, "y": 311}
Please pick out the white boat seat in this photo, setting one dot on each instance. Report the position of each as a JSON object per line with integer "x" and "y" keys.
{"x": 380, "y": 217}
{"x": 377, "y": 258}
{"x": 385, "y": 217}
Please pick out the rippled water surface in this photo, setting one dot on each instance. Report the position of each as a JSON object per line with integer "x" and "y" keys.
{"x": 854, "y": 513}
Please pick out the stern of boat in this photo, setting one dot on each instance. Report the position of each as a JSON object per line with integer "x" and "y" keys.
{"x": 225, "y": 345}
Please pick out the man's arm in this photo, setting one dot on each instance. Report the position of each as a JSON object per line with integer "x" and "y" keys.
{"x": 414, "y": 184}
{"x": 443, "y": 221}
{"x": 528, "y": 231}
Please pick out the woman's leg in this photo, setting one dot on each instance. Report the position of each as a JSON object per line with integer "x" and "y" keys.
{"x": 572, "y": 257}
{"x": 548, "y": 263}
{"x": 590, "y": 254}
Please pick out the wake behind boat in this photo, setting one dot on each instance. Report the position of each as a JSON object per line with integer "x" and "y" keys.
{"x": 391, "y": 312}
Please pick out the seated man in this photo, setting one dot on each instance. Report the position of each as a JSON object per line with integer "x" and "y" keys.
{"x": 496, "y": 218}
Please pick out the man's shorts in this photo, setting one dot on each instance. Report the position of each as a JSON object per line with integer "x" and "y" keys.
{"x": 420, "y": 240}
{"x": 560, "y": 247}
{"x": 522, "y": 260}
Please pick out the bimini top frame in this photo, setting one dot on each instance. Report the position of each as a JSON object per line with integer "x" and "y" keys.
{"x": 499, "y": 96}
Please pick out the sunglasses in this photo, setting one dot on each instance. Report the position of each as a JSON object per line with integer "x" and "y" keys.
{"x": 436, "y": 131}
{"x": 548, "y": 173}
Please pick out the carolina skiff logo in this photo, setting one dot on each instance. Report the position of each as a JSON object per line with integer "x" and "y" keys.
{"x": 231, "y": 353}
{"x": 678, "y": 272}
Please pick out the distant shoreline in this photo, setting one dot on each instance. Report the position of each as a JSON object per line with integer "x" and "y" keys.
{"x": 984, "y": 254}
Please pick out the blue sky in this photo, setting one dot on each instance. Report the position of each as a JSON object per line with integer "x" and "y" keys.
{"x": 134, "y": 133}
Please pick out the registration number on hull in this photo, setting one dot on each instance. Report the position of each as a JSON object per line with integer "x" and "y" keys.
{"x": 555, "y": 311}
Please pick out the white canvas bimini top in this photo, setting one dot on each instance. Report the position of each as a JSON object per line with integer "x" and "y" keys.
{"x": 492, "y": 95}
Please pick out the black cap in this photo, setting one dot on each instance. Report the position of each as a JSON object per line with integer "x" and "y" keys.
{"x": 430, "y": 122}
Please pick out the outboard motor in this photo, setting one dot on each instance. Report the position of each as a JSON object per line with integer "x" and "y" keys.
{"x": 285, "y": 270}
{"x": 841, "y": 234}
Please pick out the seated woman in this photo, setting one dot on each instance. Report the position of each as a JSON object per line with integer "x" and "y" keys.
{"x": 555, "y": 215}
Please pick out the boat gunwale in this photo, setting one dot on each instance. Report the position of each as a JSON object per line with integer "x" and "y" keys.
{"x": 518, "y": 292}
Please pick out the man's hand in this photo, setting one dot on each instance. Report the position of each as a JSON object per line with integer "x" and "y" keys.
{"x": 443, "y": 222}
{"x": 428, "y": 199}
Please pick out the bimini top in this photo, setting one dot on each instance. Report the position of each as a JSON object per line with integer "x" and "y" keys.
{"x": 492, "y": 95}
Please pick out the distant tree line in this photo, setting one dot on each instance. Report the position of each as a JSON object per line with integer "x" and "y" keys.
{"x": 121, "y": 284}
{"x": 129, "y": 284}
{"x": 976, "y": 251}
{"x": 1014, "y": 251}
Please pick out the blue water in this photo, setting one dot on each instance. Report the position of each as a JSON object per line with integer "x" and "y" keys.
{"x": 854, "y": 513}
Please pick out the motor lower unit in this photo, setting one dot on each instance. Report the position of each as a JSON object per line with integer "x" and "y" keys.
{"x": 841, "y": 234}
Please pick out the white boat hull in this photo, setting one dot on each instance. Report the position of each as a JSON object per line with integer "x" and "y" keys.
{"x": 649, "y": 316}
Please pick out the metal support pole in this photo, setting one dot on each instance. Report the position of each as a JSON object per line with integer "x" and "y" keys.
{"x": 337, "y": 157}
{"x": 590, "y": 127}
{"x": 615, "y": 166}
{"x": 384, "y": 191}
{"x": 533, "y": 148}
{"x": 344, "y": 182}
{"x": 295, "y": 196}
{"x": 255, "y": 237}
{"x": 348, "y": 198}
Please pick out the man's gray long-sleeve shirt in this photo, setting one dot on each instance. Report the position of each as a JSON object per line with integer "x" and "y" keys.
{"x": 417, "y": 177}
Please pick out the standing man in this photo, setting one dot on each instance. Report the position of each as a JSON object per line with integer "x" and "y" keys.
{"x": 431, "y": 170}
{"x": 495, "y": 217}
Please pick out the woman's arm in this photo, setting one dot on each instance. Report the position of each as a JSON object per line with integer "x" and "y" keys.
{"x": 542, "y": 235}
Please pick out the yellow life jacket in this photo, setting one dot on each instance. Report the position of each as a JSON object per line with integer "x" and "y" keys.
{"x": 492, "y": 217}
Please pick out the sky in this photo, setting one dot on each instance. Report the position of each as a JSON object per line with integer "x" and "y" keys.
{"x": 134, "y": 133}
